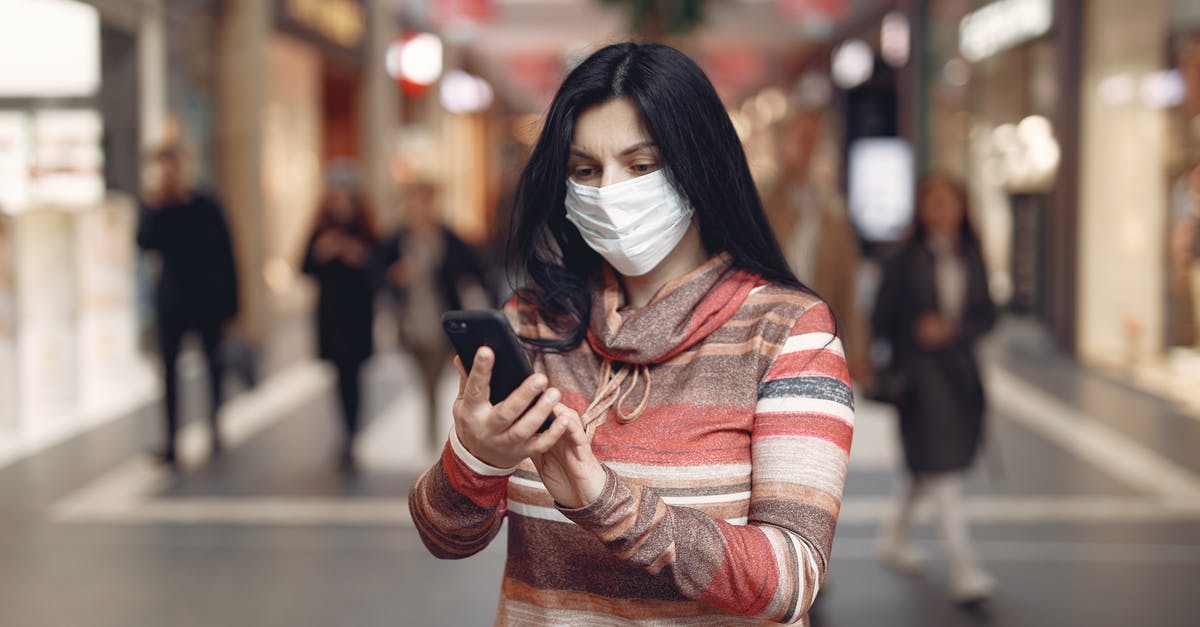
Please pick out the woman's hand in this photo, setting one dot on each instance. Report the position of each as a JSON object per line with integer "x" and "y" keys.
{"x": 326, "y": 246}
{"x": 569, "y": 469}
{"x": 934, "y": 331}
{"x": 354, "y": 252}
{"x": 504, "y": 434}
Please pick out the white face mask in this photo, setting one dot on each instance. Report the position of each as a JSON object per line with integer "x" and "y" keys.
{"x": 633, "y": 224}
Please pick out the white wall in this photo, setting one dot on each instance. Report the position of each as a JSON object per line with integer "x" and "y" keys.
{"x": 1122, "y": 201}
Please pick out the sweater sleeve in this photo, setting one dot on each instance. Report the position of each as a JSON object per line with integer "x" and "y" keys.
{"x": 458, "y": 505}
{"x": 772, "y": 567}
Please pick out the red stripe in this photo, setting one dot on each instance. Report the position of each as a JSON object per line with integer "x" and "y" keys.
{"x": 483, "y": 491}
{"x": 678, "y": 434}
{"x": 813, "y": 362}
{"x": 832, "y": 430}
{"x": 736, "y": 588}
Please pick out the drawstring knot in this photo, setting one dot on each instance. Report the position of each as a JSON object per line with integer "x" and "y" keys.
{"x": 610, "y": 396}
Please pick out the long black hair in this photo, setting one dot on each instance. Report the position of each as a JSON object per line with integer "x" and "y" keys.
{"x": 702, "y": 157}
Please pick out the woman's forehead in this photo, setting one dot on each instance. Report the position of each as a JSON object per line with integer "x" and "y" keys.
{"x": 609, "y": 128}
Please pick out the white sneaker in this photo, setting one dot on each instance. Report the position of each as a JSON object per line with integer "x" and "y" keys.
{"x": 970, "y": 586}
{"x": 902, "y": 557}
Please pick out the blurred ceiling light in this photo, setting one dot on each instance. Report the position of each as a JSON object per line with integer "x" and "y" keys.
{"x": 771, "y": 104}
{"x": 1004, "y": 137}
{"x": 894, "y": 39}
{"x": 956, "y": 72}
{"x": 853, "y": 63}
{"x": 464, "y": 93}
{"x": 417, "y": 59}
{"x": 1118, "y": 89}
{"x": 1034, "y": 128}
{"x": 50, "y": 47}
{"x": 1001, "y": 25}
{"x": 812, "y": 91}
{"x": 1164, "y": 89}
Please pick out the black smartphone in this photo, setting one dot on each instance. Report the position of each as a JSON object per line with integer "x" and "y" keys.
{"x": 470, "y": 329}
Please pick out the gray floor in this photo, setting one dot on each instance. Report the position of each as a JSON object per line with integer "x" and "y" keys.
{"x": 225, "y": 563}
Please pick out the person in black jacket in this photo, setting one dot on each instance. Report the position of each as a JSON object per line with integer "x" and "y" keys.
{"x": 197, "y": 287}
{"x": 932, "y": 308}
{"x": 341, "y": 257}
{"x": 428, "y": 271}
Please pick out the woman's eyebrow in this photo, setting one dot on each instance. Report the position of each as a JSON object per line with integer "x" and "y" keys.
{"x": 630, "y": 150}
{"x": 636, "y": 147}
{"x": 580, "y": 153}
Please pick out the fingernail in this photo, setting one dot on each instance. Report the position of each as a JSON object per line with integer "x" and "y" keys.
{"x": 539, "y": 383}
{"x": 552, "y": 396}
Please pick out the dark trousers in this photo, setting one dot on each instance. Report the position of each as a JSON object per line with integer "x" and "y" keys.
{"x": 170, "y": 338}
{"x": 349, "y": 395}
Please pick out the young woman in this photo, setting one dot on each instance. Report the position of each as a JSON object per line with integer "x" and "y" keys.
{"x": 933, "y": 306}
{"x": 340, "y": 256}
{"x": 703, "y": 412}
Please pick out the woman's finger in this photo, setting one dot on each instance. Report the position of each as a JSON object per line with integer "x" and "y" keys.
{"x": 534, "y": 417}
{"x": 515, "y": 405}
{"x": 544, "y": 441}
{"x": 478, "y": 386}
{"x": 574, "y": 425}
{"x": 462, "y": 376}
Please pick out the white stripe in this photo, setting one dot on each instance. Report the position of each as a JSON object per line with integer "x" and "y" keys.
{"x": 809, "y": 462}
{"x": 812, "y": 341}
{"x": 474, "y": 463}
{"x": 528, "y": 483}
{"x": 757, "y": 290}
{"x": 537, "y": 511}
{"x": 676, "y": 473}
{"x": 805, "y": 405}
{"x": 807, "y": 564}
{"x": 706, "y": 499}
{"x": 740, "y": 521}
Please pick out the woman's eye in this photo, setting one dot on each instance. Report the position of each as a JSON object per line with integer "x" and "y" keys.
{"x": 644, "y": 168}
{"x": 583, "y": 172}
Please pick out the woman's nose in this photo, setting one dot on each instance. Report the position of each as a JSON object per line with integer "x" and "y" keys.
{"x": 612, "y": 176}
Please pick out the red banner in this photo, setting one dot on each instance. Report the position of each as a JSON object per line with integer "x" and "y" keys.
{"x": 449, "y": 11}
{"x": 819, "y": 10}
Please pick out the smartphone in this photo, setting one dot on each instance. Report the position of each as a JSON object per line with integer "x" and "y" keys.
{"x": 470, "y": 329}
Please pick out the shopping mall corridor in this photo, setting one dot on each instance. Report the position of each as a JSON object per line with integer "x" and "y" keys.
{"x": 1086, "y": 508}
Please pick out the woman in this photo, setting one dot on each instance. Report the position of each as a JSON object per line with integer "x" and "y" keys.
{"x": 694, "y": 470}
{"x": 933, "y": 306}
{"x": 340, "y": 256}
{"x": 428, "y": 271}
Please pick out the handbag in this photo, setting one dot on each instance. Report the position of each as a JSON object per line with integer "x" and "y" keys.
{"x": 891, "y": 385}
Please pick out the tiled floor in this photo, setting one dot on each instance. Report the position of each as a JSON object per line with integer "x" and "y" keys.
{"x": 1068, "y": 513}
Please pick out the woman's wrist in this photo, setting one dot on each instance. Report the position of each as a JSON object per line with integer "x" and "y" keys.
{"x": 474, "y": 461}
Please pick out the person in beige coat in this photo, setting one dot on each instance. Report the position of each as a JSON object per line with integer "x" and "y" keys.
{"x": 811, "y": 220}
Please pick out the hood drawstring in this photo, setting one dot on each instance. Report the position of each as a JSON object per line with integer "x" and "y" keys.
{"x": 609, "y": 395}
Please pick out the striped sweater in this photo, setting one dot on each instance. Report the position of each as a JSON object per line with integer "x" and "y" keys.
{"x": 721, "y": 496}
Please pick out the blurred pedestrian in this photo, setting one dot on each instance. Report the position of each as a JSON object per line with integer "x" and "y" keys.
{"x": 197, "y": 284}
{"x": 341, "y": 257}
{"x": 429, "y": 270}
{"x": 813, "y": 223}
{"x": 932, "y": 308}
{"x": 702, "y": 409}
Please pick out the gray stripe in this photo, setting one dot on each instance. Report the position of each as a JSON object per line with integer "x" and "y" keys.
{"x": 824, "y": 388}
{"x": 703, "y": 490}
{"x": 793, "y": 567}
{"x": 529, "y": 475}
